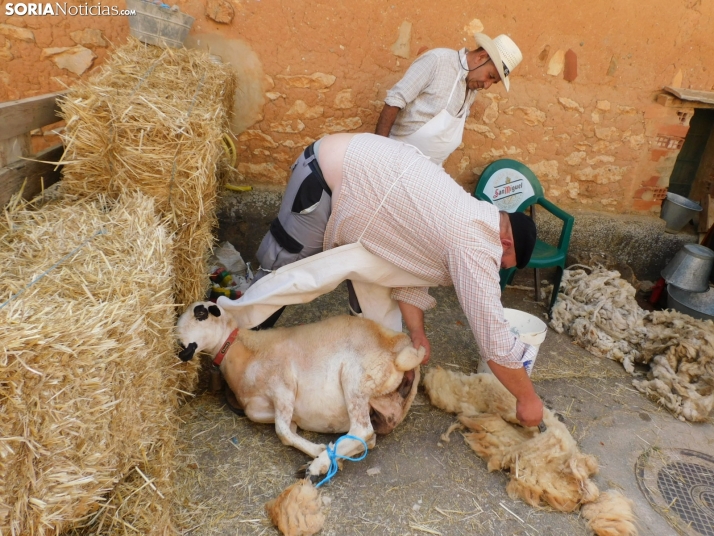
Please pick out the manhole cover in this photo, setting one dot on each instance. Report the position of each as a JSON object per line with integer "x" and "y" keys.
{"x": 679, "y": 484}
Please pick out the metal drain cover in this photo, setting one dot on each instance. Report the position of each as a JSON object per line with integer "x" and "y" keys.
{"x": 679, "y": 484}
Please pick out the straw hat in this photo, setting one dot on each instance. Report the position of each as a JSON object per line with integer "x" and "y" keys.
{"x": 503, "y": 51}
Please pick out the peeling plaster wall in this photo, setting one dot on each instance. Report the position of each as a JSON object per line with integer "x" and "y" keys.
{"x": 582, "y": 111}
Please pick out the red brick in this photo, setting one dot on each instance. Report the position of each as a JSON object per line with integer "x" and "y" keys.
{"x": 570, "y": 69}
{"x": 678, "y": 131}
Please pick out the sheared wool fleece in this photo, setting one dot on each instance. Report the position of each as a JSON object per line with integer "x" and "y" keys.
{"x": 297, "y": 511}
{"x": 545, "y": 468}
{"x": 598, "y": 309}
{"x": 610, "y": 515}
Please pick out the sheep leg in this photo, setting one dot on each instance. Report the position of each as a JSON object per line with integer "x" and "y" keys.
{"x": 360, "y": 426}
{"x": 286, "y": 429}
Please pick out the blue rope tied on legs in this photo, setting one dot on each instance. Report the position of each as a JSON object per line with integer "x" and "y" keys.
{"x": 332, "y": 454}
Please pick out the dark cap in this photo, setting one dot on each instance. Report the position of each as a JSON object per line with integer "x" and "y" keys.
{"x": 524, "y": 237}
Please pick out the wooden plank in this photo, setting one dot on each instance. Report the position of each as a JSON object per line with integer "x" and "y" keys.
{"x": 36, "y": 173}
{"x": 13, "y": 149}
{"x": 21, "y": 116}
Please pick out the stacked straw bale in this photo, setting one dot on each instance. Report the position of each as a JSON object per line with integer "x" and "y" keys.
{"x": 89, "y": 380}
{"x": 153, "y": 119}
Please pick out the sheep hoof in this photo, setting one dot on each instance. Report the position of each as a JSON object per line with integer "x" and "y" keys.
{"x": 315, "y": 479}
{"x": 302, "y": 472}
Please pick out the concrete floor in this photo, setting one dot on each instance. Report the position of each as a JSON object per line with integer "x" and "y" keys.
{"x": 414, "y": 484}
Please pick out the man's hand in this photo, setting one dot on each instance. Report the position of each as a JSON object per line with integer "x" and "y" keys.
{"x": 414, "y": 319}
{"x": 419, "y": 339}
{"x": 529, "y": 412}
{"x": 529, "y": 407}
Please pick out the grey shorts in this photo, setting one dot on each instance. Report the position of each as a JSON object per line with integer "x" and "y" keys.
{"x": 299, "y": 229}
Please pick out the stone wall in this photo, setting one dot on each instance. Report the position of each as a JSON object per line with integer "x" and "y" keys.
{"x": 583, "y": 111}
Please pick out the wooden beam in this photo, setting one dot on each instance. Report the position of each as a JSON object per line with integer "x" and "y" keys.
{"x": 21, "y": 116}
{"x": 706, "y": 216}
{"x": 707, "y": 97}
{"x": 671, "y": 101}
{"x": 36, "y": 173}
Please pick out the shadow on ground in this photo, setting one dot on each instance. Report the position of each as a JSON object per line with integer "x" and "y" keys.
{"x": 413, "y": 483}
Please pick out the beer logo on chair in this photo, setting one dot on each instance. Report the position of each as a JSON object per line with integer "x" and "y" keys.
{"x": 507, "y": 189}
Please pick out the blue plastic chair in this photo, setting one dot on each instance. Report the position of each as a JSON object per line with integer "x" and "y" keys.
{"x": 512, "y": 187}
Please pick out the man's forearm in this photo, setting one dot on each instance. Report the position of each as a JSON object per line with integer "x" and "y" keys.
{"x": 414, "y": 320}
{"x": 413, "y": 317}
{"x": 529, "y": 408}
{"x": 386, "y": 120}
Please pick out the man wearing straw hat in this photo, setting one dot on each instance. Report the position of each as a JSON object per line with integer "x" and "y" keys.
{"x": 428, "y": 107}
{"x": 393, "y": 223}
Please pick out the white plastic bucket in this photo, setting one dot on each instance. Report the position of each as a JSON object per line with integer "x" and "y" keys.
{"x": 528, "y": 328}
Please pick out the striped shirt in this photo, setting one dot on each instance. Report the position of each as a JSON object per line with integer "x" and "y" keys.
{"x": 418, "y": 218}
{"x": 424, "y": 90}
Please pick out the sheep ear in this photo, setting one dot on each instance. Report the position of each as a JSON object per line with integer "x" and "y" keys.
{"x": 200, "y": 312}
{"x": 188, "y": 351}
{"x": 214, "y": 310}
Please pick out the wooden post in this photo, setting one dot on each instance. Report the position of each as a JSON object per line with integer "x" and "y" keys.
{"x": 13, "y": 149}
{"x": 706, "y": 216}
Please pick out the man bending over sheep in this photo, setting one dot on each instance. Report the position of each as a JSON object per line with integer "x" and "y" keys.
{"x": 405, "y": 210}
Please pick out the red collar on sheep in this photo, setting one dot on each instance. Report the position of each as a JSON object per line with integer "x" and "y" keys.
{"x": 224, "y": 349}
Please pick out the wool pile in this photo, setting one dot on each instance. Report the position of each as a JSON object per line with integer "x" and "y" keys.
{"x": 153, "y": 119}
{"x": 598, "y": 309}
{"x": 297, "y": 511}
{"x": 545, "y": 468}
{"x": 89, "y": 380}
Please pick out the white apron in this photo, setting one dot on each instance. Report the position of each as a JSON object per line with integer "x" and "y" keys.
{"x": 372, "y": 277}
{"x": 441, "y": 135}
{"x": 301, "y": 282}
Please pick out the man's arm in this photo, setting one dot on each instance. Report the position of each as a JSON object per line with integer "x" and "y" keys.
{"x": 414, "y": 319}
{"x": 476, "y": 281}
{"x": 529, "y": 407}
{"x": 419, "y": 75}
{"x": 386, "y": 120}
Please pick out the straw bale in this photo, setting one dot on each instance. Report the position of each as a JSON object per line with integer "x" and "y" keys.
{"x": 152, "y": 119}
{"x": 89, "y": 381}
